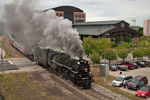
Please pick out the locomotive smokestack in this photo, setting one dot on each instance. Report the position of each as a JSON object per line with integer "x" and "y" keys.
{"x": 29, "y": 26}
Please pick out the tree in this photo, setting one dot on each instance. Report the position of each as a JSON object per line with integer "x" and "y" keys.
{"x": 140, "y": 30}
{"x": 95, "y": 57}
{"x": 147, "y": 52}
{"x": 89, "y": 44}
{"x": 138, "y": 53}
{"x": 125, "y": 45}
{"x": 123, "y": 53}
{"x": 102, "y": 43}
{"x": 110, "y": 55}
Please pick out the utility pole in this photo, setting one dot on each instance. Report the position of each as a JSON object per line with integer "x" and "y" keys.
{"x": 2, "y": 62}
{"x": 105, "y": 54}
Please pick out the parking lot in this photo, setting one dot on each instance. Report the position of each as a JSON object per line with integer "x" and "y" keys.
{"x": 134, "y": 72}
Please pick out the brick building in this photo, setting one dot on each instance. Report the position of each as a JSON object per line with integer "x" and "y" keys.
{"x": 74, "y": 14}
{"x": 117, "y": 30}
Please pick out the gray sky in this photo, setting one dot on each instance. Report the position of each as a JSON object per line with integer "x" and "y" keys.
{"x": 97, "y": 10}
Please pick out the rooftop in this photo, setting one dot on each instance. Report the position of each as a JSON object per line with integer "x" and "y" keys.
{"x": 111, "y": 22}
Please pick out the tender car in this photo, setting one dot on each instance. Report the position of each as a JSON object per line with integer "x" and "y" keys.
{"x": 134, "y": 83}
{"x": 120, "y": 80}
{"x": 113, "y": 67}
{"x": 141, "y": 63}
{"x": 144, "y": 92}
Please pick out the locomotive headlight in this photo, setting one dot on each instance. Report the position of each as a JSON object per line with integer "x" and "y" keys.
{"x": 78, "y": 63}
{"x": 85, "y": 70}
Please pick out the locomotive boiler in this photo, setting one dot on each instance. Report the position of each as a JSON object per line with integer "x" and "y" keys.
{"x": 61, "y": 64}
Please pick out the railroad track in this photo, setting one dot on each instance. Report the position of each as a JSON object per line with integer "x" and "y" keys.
{"x": 90, "y": 94}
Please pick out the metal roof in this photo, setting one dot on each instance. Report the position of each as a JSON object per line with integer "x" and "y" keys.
{"x": 111, "y": 22}
{"x": 67, "y": 9}
{"x": 93, "y": 30}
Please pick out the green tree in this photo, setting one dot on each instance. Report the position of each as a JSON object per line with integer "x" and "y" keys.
{"x": 110, "y": 55}
{"x": 140, "y": 30}
{"x": 147, "y": 52}
{"x": 102, "y": 43}
{"x": 95, "y": 57}
{"x": 89, "y": 44}
{"x": 142, "y": 44}
{"x": 125, "y": 45}
{"x": 123, "y": 53}
{"x": 138, "y": 53}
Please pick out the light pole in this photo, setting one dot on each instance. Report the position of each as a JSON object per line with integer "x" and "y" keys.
{"x": 105, "y": 54}
{"x": 2, "y": 63}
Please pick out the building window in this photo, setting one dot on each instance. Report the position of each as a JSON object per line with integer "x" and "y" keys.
{"x": 122, "y": 25}
{"x": 82, "y": 16}
{"x": 79, "y": 16}
{"x": 79, "y": 21}
{"x": 56, "y": 14}
{"x": 76, "y": 16}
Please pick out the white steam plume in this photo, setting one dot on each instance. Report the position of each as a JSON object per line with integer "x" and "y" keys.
{"x": 29, "y": 27}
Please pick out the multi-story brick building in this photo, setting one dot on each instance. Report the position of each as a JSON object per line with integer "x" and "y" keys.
{"x": 69, "y": 12}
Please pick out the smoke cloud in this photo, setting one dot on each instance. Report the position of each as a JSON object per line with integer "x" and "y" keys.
{"x": 30, "y": 26}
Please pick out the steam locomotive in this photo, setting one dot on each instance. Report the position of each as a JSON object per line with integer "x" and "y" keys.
{"x": 61, "y": 64}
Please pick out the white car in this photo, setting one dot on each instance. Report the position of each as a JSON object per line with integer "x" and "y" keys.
{"x": 121, "y": 79}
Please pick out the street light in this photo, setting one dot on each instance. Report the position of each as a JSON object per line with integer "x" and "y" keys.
{"x": 105, "y": 53}
{"x": 2, "y": 63}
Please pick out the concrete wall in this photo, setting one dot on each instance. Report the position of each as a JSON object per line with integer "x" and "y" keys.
{"x": 147, "y": 27}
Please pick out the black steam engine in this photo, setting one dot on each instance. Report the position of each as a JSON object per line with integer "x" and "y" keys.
{"x": 61, "y": 64}
{"x": 78, "y": 71}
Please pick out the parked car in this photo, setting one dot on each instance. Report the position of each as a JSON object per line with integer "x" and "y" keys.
{"x": 113, "y": 67}
{"x": 121, "y": 66}
{"x": 127, "y": 80}
{"x": 147, "y": 62}
{"x": 144, "y": 92}
{"x": 121, "y": 79}
{"x": 130, "y": 66}
{"x": 134, "y": 83}
{"x": 135, "y": 64}
{"x": 141, "y": 64}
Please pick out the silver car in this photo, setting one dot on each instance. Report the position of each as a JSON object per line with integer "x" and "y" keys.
{"x": 121, "y": 66}
{"x": 121, "y": 80}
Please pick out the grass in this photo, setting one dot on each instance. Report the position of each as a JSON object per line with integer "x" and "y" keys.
{"x": 19, "y": 86}
{"x": 3, "y": 43}
{"x": 100, "y": 80}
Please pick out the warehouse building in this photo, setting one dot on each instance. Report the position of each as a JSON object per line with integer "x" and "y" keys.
{"x": 74, "y": 14}
{"x": 117, "y": 30}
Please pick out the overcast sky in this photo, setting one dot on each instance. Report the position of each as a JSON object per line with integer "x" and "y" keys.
{"x": 97, "y": 10}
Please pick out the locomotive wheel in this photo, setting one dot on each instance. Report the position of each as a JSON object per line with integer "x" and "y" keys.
{"x": 60, "y": 72}
{"x": 50, "y": 69}
{"x": 87, "y": 85}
